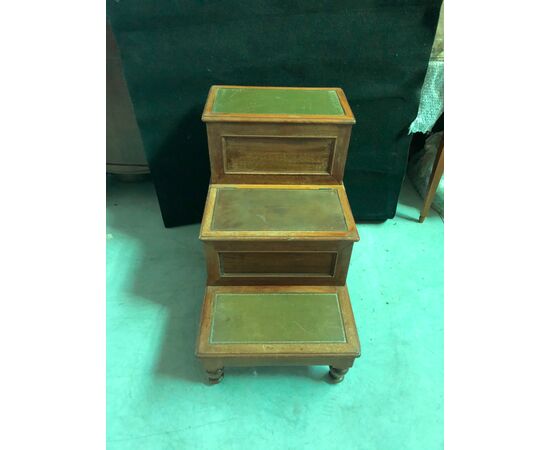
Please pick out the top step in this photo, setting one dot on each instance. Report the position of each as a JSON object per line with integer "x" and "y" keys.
{"x": 277, "y": 104}
{"x": 277, "y": 135}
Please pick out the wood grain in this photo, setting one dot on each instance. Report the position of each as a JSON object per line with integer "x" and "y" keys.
{"x": 265, "y": 231}
{"x": 279, "y": 139}
{"x": 317, "y": 263}
{"x": 277, "y": 148}
{"x": 252, "y": 155}
{"x": 277, "y": 263}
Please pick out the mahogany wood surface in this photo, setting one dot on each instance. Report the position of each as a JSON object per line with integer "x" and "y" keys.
{"x": 277, "y": 148}
{"x": 278, "y": 231}
{"x": 278, "y": 262}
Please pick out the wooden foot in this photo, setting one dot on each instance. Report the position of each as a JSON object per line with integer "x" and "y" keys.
{"x": 336, "y": 374}
{"x": 215, "y": 376}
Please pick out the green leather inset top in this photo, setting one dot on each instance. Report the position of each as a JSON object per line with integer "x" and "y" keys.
{"x": 277, "y": 318}
{"x": 277, "y": 101}
{"x": 256, "y": 209}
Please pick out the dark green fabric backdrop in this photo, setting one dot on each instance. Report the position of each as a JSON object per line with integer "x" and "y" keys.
{"x": 173, "y": 51}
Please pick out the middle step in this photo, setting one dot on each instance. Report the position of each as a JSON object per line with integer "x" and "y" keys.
{"x": 277, "y": 234}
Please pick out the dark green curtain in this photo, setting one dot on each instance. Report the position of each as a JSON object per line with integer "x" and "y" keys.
{"x": 173, "y": 51}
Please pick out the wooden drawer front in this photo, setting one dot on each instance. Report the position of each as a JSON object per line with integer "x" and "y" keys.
{"x": 278, "y": 155}
{"x": 262, "y": 153}
{"x": 277, "y": 263}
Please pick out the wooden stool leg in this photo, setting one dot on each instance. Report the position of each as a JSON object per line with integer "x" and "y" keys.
{"x": 435, "y": 177}
{"x": 215, "y": 376}
{"x": 337, "y": 374}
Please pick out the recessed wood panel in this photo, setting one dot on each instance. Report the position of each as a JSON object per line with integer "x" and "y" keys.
{"x": 277, "y": 153}
{"x": 277, "y": 263}
{"x": 274, "y": 154}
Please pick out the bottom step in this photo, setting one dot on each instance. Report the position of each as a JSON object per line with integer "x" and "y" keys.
{"x": 277, "y": 325}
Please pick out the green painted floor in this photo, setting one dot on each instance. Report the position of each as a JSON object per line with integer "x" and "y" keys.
{"x": 156, "y": 396}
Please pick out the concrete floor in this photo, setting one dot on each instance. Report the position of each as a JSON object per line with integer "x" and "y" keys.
{"x": 156, "y": 396}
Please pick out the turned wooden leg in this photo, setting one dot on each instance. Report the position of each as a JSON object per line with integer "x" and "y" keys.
{"x": 337, "y": 374}
{"x": 435, "y": 177}
{"x": 215, "y": 376}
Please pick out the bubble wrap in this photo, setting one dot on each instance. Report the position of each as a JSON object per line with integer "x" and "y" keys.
{"x": 431, "y": 99}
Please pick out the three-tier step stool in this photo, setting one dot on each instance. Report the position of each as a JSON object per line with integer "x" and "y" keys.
{"x": 277, "y": 230}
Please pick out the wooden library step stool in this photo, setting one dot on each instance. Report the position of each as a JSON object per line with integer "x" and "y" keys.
{"x": 278, "y": 231}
